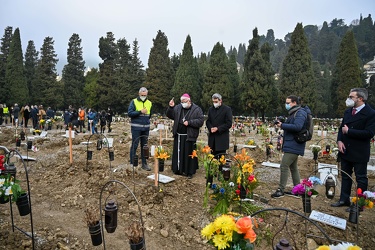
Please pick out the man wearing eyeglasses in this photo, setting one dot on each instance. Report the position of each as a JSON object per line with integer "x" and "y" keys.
{"x": 353, "y": 140}
{"x": 140, "y": 112}
{"x": 291, "y": 148}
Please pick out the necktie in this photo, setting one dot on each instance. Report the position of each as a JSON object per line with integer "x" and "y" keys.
{"x": 354, "y": 111}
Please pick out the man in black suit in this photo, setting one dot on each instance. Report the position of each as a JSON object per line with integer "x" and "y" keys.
{"x": 353, "y": 140}
{"x": 218, "y": 123}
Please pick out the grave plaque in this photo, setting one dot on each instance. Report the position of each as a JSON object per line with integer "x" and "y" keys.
{"x": 328, "y": 219}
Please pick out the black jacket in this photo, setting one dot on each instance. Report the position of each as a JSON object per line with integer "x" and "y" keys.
{"x": 361, "y": 130}
{"x": 221, "y": 118}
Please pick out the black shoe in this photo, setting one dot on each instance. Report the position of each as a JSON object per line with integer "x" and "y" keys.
{"x": 341, "y": 204}
{"x": 277, "y": 194}
{"x": 289, "y": 193}
{"x": 146, "y": 167}
{"x": 189, "y": 176}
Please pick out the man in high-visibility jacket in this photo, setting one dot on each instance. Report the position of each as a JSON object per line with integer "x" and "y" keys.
{"x": 6, "y": 113}
{"x": 140, "y": 112}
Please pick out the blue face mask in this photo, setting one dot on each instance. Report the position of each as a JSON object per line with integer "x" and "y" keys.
{"x": 287, "y": 106}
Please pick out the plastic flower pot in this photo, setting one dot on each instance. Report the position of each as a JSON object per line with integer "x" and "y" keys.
{"x": 96, "y": 234}
{"x": 89, "y": 155}
{"x": 138, "y": 246}
{"x": 306, "y": 202}
{"x": 23, "y": 204}
{"x": 161, "y": 165}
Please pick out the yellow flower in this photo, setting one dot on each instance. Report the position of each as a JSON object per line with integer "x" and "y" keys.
{"x": 208, "y": 231}
{"x": 220, "y": 241}
{"x": 324, "y": 247}
{"x": 354, "y": 248}
{"x": 247, "y": 167}
{"x": 226, "y": 223}
{"x": 222, "y": 159}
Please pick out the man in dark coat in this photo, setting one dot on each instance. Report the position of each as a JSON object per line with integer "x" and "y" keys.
{"x": 353, "y": 140}
{"x": 218, "y": 123}
{"x": 188, "y": 118}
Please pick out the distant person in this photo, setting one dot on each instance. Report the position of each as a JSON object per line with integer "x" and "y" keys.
{"x": 15, "y": 114}
{"x": 26, "y": 115}
{"x": 5, "y": 113}
{"x": 188, "y": 119}
{"x": 1, "y": 114}
{"x": 34, "y": 116}
{"x": 103, "y": 121}
{"x": 353, "y": 140}
{"x": 81, "y": 118}
{"x": 219, "y": 121}
{"x": 109, "y": 119}
{"x": 139, "y": 112}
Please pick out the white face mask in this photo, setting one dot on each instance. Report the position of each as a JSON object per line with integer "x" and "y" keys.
{"x": 349, "y": 102}
{"x": 216, "y": 105}
{"x": 143, "y": 98}
{"x": 185, "y": 105}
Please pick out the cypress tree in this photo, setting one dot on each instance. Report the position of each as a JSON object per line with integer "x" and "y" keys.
{"x": 4, "y": 49}
{"x": 31, "y": 62}
{"x": 137, "y": 73}
{"x": 73, "y": 74}
{"x": 297, "y": 75}
{"x": 234, "y": 79}
{"x": 217, "y": 79}
{"x": 108, "y": 52}
{"x": 91, "y": 85}
{"x": 16, "y": 85}
{"x": 187, "y": 76}
{"x": 159, "y": 74}
{"x": 47, "y": 90}
{"x": 346, "y": 74}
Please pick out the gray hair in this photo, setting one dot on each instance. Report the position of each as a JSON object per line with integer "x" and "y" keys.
{"x": 143, "y": 89}
{"x": 361, "y": 92}
{"x": 217, "y": 96}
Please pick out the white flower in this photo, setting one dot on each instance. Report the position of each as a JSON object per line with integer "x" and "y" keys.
{"x": 2, "y": 180}
{"x": 8, "y": 191}
{"x": 335, "y": 149}
{"x": 341, "y": 246}
{"x": 231, "y": 184}
{"x": 369, "y": 194}
{"x": 315, "y": 146}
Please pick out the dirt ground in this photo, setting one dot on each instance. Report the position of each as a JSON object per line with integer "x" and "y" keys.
{"x": 173, "y": 213}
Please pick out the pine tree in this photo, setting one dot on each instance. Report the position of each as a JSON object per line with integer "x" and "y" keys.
{"x": 159, "y": 74}
{"x": 137, "y": 73}
{"x": 4, "y": 49}
{"x": 297, "y": 77}
{"x": 47, "y": 90}
{"x": 15, "y": 81}
{"x": 346, "y": 74}
{"x": 31, "y": 62}
{"x": 218, "y": 78}
{"x": 234, "y": 79}
{"x": 73, "y": 74}
{"x": 188, "y": 78}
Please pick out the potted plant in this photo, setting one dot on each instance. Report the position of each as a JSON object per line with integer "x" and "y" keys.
{"x": 135, "y": 235}
{"x": 315, "y": 149}
{"x": 93, "y": 223}
{"x": 10, "y": 187}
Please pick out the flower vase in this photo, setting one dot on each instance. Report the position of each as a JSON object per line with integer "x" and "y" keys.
{"x": 2, "y": 200}
{"x": 96, "y": 234}
{"x": 226, "y": 173}
{"x": 315, "y": 155}
{"x": 354, "y": 214}
{"x": 18, "y": 142}
{"x": 242, "y": 192}
{"x": 138, "y": 246}
{"x": 209, "y": 180}
{"x": 161, "y": 165}
{"x": 306, "y": 202}
{"x": 23, "y": 204}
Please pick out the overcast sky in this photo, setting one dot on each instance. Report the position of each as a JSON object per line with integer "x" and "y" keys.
{"x": 206, "y": 21}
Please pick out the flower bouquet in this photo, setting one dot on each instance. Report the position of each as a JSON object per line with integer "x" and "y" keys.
{"x": 228, "y": 233}
{"x": 205, "y": 157}
{"x": 315, "y": 149}
{"x": 161, "y": 155}
{"x": 364, "y": 200}
{"x": 341, "y": 246}
{"x": 306, "y": 187}
{"x": 9, "y": 186}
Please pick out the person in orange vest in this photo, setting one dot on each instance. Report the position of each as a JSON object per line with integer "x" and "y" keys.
{"x": 81, "y": 118}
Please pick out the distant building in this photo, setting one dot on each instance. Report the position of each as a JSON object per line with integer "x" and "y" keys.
{"x": 370, "y": 69}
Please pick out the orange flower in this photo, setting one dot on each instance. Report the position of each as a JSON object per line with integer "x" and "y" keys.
{"x": 244, "y": 224}
{"x": 251, "y": 235}
{"x": 206, "y": 149}
{"x": 193, "y": 154}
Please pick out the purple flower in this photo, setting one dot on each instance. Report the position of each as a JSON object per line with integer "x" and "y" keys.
{"x": 298, "y": 189}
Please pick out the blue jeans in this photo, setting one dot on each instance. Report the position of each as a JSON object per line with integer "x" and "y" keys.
{"x": 136, "y": 135}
